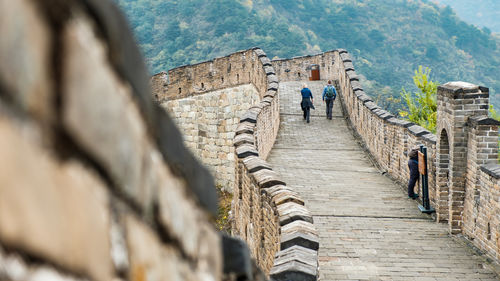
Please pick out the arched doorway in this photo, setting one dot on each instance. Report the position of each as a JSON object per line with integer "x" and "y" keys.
{"x": 442, "y": 177}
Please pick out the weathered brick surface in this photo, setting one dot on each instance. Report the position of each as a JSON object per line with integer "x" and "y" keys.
{"x": 208, "y": 123}
{"x": 27, "y": 76}
{"x": 296, "y": 69}
{"x": 91, "y": 185}
{"x": 57, "y": 211}
{"x": 207, "y": 101}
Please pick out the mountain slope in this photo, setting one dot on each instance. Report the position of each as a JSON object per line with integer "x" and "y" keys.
{"x": 387, "y": 38}
{"x": 482, "y": 13}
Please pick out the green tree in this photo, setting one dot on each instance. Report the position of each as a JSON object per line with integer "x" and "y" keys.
{"x": 421, "y": 105}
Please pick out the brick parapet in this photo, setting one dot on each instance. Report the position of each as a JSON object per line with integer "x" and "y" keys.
{"x": 240, "y": 68}
{"x": 473, "y": 138}
{"x": 296, "y": 69}
{"x": 264, "y": 208}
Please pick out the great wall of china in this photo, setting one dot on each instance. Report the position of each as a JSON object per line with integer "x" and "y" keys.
{"x": 98, "y": 184}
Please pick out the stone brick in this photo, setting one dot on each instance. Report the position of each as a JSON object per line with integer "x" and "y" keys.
{"x": 295, "y": 263}
{"x": 254, "y": 164}
{"x": 98, "y": 110}
{"x": 300, "y": 239}
{"x": 54, "y": 211}
{"x": 26, "y": 69}
{"x": 266, "y": 178}
{"x": 289, "y": 212}
{"x": 246, "y": 150}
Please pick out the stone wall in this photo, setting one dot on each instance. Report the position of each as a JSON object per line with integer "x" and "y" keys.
{"x": 95, "y": 182}
{"x": 208, "y": 99}
{"x": 266, "y": 213}
{"x": 296, "y": 69}
{"x": 481, "y": 213}
{"x": 463, "y": 166}
{"x": 208, "y": 123}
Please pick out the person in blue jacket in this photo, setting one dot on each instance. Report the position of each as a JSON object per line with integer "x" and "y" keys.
{"x": 307, "y": 101}
{"x": 414, "y": 174}
{"x": 329, "y": 96}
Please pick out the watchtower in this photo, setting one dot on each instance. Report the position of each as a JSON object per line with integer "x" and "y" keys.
{"x": 462, "y": 108}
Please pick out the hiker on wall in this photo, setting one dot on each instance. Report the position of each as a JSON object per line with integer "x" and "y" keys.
{"x": 414, "y": 174}
{"x": 307, "y": 102}
{"x": 329, "y": 96}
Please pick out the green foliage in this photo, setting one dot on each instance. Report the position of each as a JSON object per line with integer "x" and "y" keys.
{"x": 223, "y": 219}
{"x": 385, "y": 49}
{"x": 422, "y": 105}
{"x": 481, "y": 13}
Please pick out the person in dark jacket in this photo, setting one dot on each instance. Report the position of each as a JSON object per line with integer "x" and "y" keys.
{"x": 414, "y": 174}
{"x": 307, "y": 102}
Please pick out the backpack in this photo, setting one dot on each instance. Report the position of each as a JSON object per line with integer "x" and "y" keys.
{"x": 330, "y": 92}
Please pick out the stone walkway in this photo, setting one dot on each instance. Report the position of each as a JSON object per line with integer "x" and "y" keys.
{"x": 368, "y": 229}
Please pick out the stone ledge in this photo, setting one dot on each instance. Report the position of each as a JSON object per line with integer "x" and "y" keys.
{"x": 245, "y": 128}
{"x": 273, "y": 86}
{"x": 371, "y": 105}
{"x": 299, "y": 239}
{"x": 432, "y": 138}
{"x": 254, "y": 164}
{"x": 295, "y": 263}
{"x": 265, "y": 61}
{"x": 270, "y": 93}
{"x": 492, "y": 170}
{"x": 365, "y": 98}
{"x": 297, "y": 253}
{"x": 353, "y": 76}
{"x": 249, "y": 116}
{"x": 383, "y": 114}
{"x": 418, "y": 131}
{"x": 482, "y": 120}
{"x": 351, "y": 73}
{"x": 267, "y": 178}
{"x": 272, "y": 78}
{"x": 286, "y": 195}
{"x": 300, "y": 226}
{"x": 458, "y": 87}
{"x": 275, "y": 190}
{"x": 246, "y": 150}
{"x": 259, "y": 52}
{"x": 348, "y": 66}
{"x": 289, "y": 212}
{"x": 355, "y": 85}
{"x": 267, "y": 100}
{"x": 269, "y": 70}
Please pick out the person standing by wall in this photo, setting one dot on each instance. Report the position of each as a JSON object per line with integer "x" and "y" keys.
{"x": 329, "y": 96}
{"x": 414, "y": 174}
{"x": 307, "y": 101}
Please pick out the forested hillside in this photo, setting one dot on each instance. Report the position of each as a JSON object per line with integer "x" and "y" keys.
{"x": 482, "y": 13}
{"x": 388, "y": 39}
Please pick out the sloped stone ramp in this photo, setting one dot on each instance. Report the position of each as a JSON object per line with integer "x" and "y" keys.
{"x": 367, "y": 227}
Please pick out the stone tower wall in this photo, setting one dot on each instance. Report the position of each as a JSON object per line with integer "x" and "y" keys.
{"x": 296, "y": 69}
{"x": 207, "y": 100}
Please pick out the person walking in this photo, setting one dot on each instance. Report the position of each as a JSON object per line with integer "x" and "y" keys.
{"x": 307, "y": 102}
{"x": 329, "y": 96}
{"x": 414, "y": 174}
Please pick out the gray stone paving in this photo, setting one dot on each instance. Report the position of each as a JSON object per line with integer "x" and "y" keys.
{"x": 368, "y": 229}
